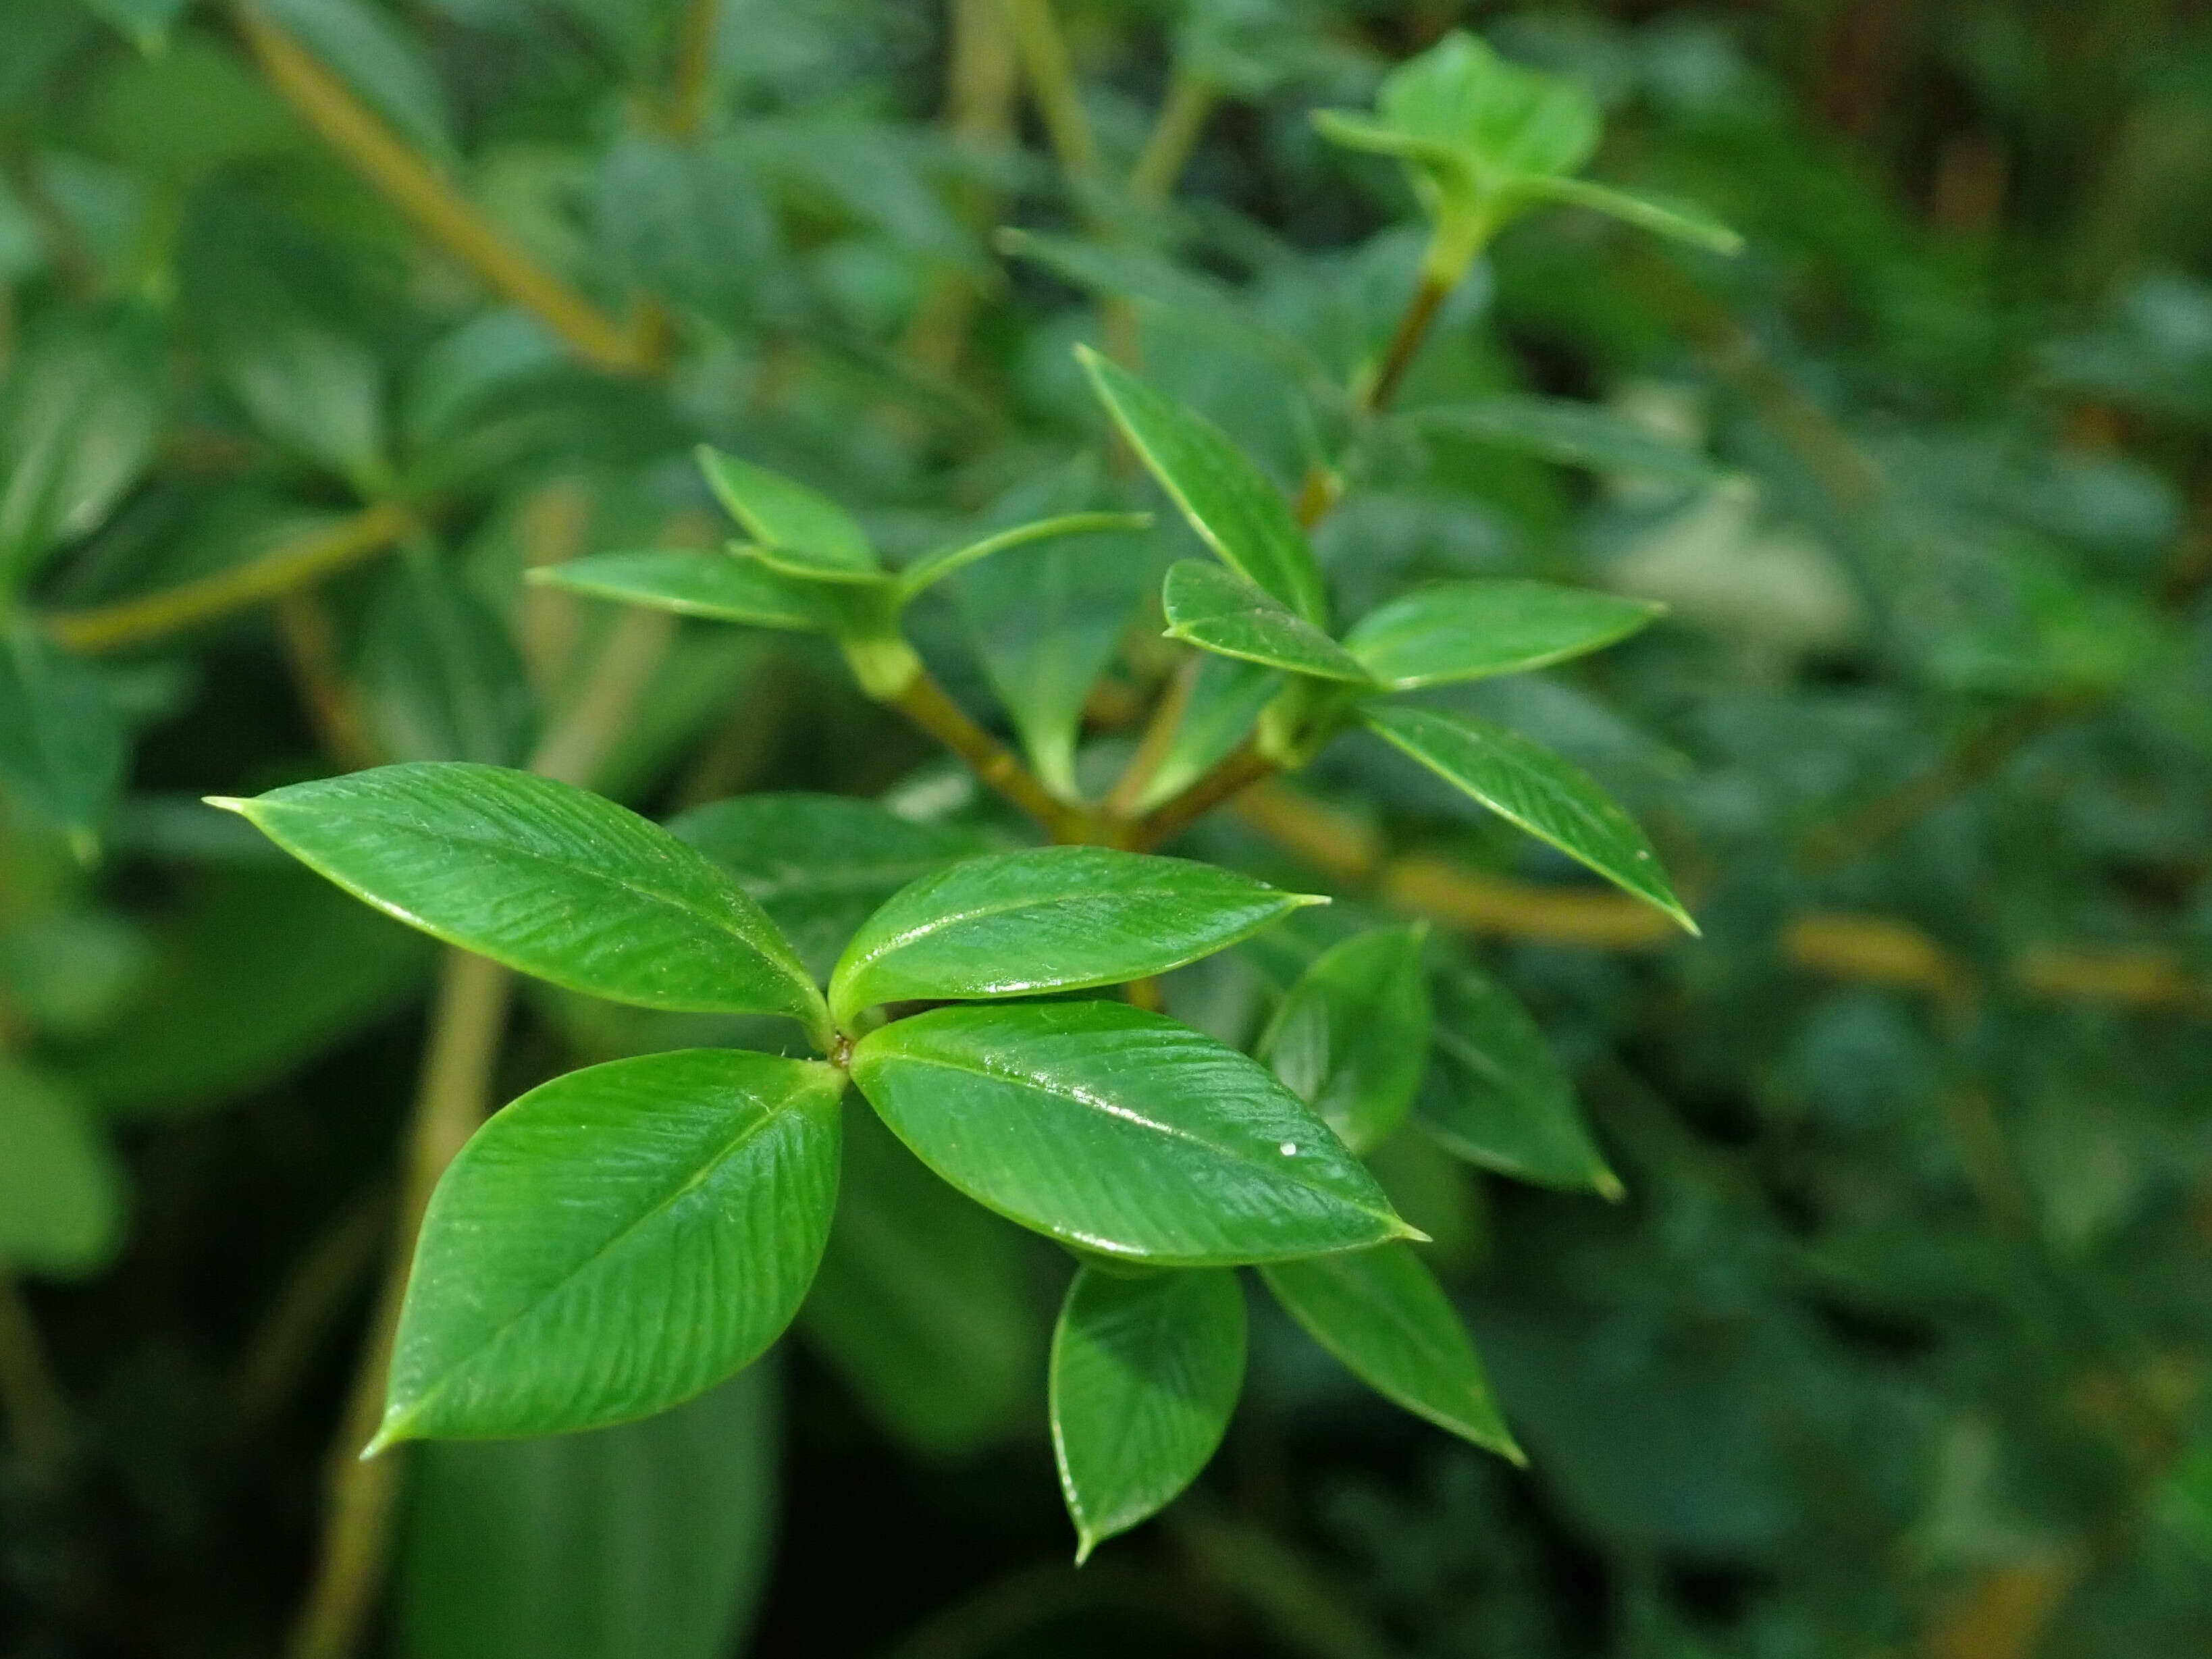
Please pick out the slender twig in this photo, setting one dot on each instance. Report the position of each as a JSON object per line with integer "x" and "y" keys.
{"x": 1158, "y": 739}
{"x": 1239, "y": 772}
{"x": 35, "y": 1408}
{"x": 1176, "y": 132}
{"x": 1053, "y": 85}
{"x": 692, "y": 90}
{"x": 424, "y": 195}
{"x": 930, "y": 707}
{"x": 1414, "y": 325}
{"x": 311, "y": 649}
{"x": 298, "y": 564}
{"x": 467, "y": 1017}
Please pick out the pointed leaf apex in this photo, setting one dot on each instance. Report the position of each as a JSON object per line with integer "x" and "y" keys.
{"x": 1607, "y": 1187}
{"x": 389, "y": 1433}
{"x": 1410, "y": 1233}
{"x": 1084, "y": 1543}
{"x": 228, "y": 803}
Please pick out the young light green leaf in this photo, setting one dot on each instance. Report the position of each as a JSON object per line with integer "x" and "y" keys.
{"x": 923, "y": 1304}
{"x": 1049, "y": 919}
{"x": 719, "y": 587}
{"x": 1383, "y": 1313}
{"x": 61, "y": 738}
{"x": 1567, "y": 431}
{"x": 61, "y": 1185}
{"x": 815, "y": 537}
{"x": 546, "y": 878}
{"x": 1234, "y": 508}
{"x": 1146, "y": 1367}
{"x": 1214, "y": 610}
{"x": 1497, "y": 1097}
{"x": 648, "y": 1541}
{"x": 819, "y": 864}
{"x": 1468, "y": 630}
{"x": 1553, "y": 800}
{"x": 798, "y": 564}
{"x": 933, "y": 568}
{"x": 1120, "y": 1131}
{"x": 616, "y": 1240}
{"x": 1352, "y": 1037}
{"x": 1682, "y": 221}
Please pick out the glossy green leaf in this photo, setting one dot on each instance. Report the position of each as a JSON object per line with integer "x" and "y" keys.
{"x": 1146, "y": 1367}
{"x": 1234, "y": 506}
{"x": 1471, "y": 630}
{"x": 1352, "y": 1037}
{"x": 649, "y": 1540}
{"x": 933, "y": 568}
{"x": 800, "y": 529}
{"x": 719, "y": 587}
{"x": 1120, "y": 1131}
{"x": 923, "y": 1304}
{"x": 1215, "y": 611}
{"x": 440, "y": 674}
{"x": 1552, "y": 799}
{"x": 1682, "y": 221}
{"x": 615, "y": 1241}
{"x": 546, "y": 878}
{"x": 1497, "y": 1095}
{"x": 1569, "y": 432}
{"x": 1383, "y": 1313}
{"x": 1049, "y": 919}
{"x": 1224, "y": 705}
{"x": 819, "y": 864}
{"x": 61, "y": 738}
{"x": 61, "y": 1185}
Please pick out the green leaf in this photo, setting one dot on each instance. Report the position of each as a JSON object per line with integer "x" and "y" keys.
{"x": 441, "y": 676}
{"x": 380, "y": 58}
{"x": 1569, "y": 432}
{"x": 1122, "y": 1132}
{"x": 923, "y": 1302}
{"x": 1234, "y": 508}
{"x": 1552, "y": 800}
{"x": 1145, "y": 1370}
{"x": 79, "y": 414}
{"x": 1683, "y": 221}
{"x": 1213, "y": 609}
{"x": 546, "y": 878}
{"x": 1497, "y": 1097}
{"x": 819, "y": 864}
{"x": 1046, "y": 626}
{"x": 719, "y": 587}
{"x": 62, "y": 747}
{"x": 1352, "y": 1037}
{"x": 649, "y": 1540}
{"x": 1049, "y": 919}
{"x": 1472, "y": 630}
{"x": 933, "y": 568}
{"x": 1383, "y": 1313}
{"x": 801, "y": 530}
{"x": 615, "y": 1241}
{"x": 144, "y": 23}
{"x": 1224, "y": 705}
{"x": 61, "y": 1186}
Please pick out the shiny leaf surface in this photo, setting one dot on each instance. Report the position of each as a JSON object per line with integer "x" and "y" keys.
{"x": 719, "y": 587}
{"x": 1352, "y": 1037}
{"x": 1145, "y": 1370}
{"x": 615, "y": 1241}
{"x": 545, "y": 877}
{"x": 1213, "y": 609}
{"x": 1552, "y": 799}
{"x": 814, "y": 533}
{"x": 1120, "y": 1131}
{"x": 1469, "y": 630}
{"x": 1383, "y": 1313}
{"x": 1049, "y": 919}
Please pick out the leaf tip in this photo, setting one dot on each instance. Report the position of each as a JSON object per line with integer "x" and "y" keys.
{"x": 1409, "y": 1232}
{"x": 228, "y": 803}
{"x": 1608, "y": 1186}
{"x": 1306, "y": 901}
{"x": 1085, "y": 1541}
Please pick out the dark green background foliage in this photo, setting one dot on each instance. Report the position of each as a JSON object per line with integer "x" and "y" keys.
{"x": 324, "y": 323}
